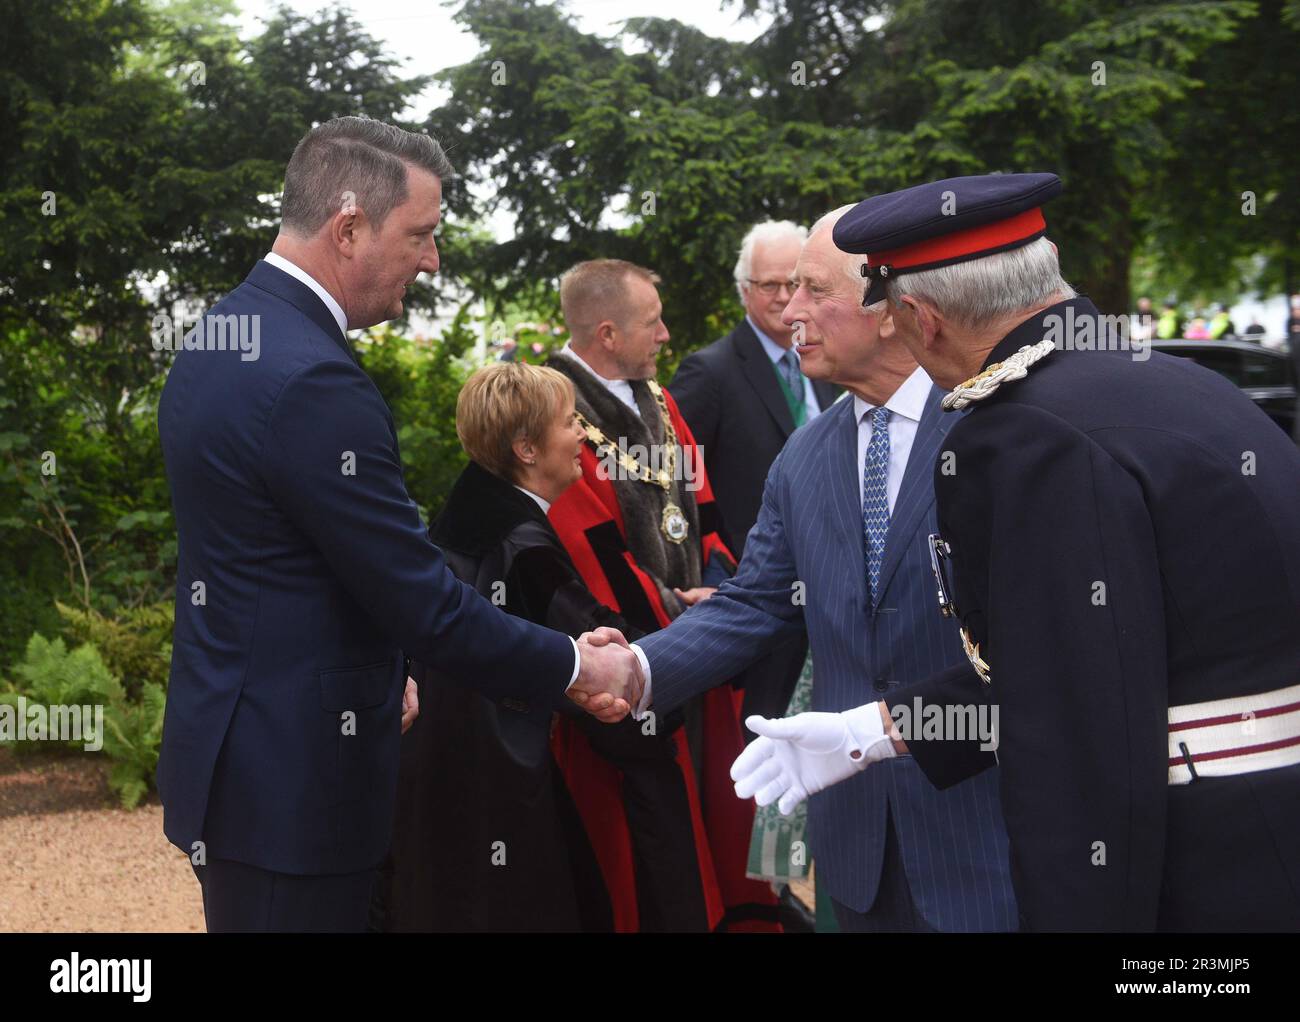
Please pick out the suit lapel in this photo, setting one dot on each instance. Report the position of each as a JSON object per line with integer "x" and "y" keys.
{"x": 275, "y": 281}
{"x": 761, "y": 374}
{"x": 842, "y": 469}
{"x": 916, "y": 495}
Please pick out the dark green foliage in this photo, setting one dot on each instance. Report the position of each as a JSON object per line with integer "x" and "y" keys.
{"x": 840, "y": 99}
{"x": 420, "y": 384}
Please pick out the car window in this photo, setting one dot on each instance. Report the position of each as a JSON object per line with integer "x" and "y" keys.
{"x": 1224, "y": 361}
{"x": 1263, "y": 371}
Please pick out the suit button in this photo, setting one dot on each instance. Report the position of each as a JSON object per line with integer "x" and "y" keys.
{"x": 880, "y": 685}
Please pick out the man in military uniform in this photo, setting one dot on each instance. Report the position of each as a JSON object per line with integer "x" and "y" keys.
{"x": 1120, "y": 546}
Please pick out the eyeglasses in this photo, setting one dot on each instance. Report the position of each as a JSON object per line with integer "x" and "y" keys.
{"x": 771, "y": 287}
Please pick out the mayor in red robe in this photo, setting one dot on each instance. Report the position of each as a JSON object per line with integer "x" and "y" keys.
{"x": 641, "y": 527}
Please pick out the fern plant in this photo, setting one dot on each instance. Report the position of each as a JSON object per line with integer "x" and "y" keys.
{"x": 135, "y": 643}
{"x": 50, "y": 674}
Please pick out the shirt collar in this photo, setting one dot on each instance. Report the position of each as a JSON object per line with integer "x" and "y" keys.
{"x": 298, "y": 273}
{"x": 608, "y": 384}
{"x": 542, "y": 502}
{"x": 774, "y": 351}
{"x": 908, "y": 400}
{"x": 620, "y": 389}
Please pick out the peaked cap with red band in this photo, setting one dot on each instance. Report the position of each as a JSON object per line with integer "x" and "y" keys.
{"x": 943, "y": 222}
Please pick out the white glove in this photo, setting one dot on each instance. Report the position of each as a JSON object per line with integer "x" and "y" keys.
{"x": 795, "y": 757}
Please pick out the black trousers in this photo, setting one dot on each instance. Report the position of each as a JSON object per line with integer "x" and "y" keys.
{"x": 238, "y": 898}
{"x": 893, "y": 911}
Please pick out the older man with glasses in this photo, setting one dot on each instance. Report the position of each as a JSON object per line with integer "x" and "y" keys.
{"x": 743, "y": 396}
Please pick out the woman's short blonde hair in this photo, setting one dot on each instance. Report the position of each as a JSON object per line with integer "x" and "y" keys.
{"x": 504, "y": 402}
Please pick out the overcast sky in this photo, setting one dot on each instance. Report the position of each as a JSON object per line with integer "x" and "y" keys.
{"x": 423, "y": 34}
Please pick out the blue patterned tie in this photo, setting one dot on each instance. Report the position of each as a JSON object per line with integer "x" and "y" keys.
{"x": 875, "y": 497}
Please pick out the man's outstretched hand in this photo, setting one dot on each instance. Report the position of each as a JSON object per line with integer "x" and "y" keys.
{"x": 691, "y": 597}
{"x": 609, "y": 681}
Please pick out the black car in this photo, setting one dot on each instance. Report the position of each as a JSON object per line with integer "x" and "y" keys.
{"x": 1265, "y": 375}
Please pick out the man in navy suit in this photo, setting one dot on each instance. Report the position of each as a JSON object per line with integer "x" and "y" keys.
{"x": 840, "y": 551}
{"x": 303, "y": 567}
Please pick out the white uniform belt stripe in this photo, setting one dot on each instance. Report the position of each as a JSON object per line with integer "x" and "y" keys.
{"x": 1228, "y": 718}
{"x": 1238, "y": 735}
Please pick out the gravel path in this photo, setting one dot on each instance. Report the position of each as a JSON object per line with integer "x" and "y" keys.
{"x": 73, "y": 862}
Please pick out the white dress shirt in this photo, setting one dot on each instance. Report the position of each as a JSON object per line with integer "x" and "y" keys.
{"x": 297, "y": 272}
{"x": 775, "y": 352}
{"x": 621, "y": 389}
{"x": 905, "y": 406}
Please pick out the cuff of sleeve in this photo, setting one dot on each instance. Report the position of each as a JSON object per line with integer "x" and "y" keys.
{"x": 577, "y": 664}
{"x": 868, "y": 732}
{"x": 639, "y": 711}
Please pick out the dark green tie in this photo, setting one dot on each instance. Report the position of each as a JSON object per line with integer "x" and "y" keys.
{"x": 791, "y": 381}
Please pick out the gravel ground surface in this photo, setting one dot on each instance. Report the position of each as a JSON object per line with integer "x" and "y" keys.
{"x": 73, "y": 861}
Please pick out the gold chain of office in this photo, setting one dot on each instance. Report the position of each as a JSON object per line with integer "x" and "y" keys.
{"x": 673, "y": 524}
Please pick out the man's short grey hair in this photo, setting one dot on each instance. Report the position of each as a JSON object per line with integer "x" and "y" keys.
{"x": 979, "y": 292}
{"x": 767, "y": 231}
{"x": 852, "y": 263}
{"x": 353, "y": 161}
{"x": 596, "y": 290}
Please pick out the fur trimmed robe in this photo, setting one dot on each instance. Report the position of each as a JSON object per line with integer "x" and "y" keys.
{"x": 639, "y": 816}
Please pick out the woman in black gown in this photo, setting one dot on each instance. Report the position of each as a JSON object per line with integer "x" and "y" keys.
{"x": 486, "y": 837}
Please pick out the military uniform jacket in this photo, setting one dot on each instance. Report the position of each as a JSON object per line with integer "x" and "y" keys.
{"x": 1125, "y": 537}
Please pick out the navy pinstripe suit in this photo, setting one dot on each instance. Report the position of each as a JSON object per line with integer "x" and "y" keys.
{"x": 953, "y": 843}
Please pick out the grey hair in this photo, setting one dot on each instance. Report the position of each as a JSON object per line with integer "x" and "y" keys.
{"x": 768, "y": 230}
{"x": 353, "y": 160}
{"x": 979, "y": 292}
{"x": 852, "y": 263}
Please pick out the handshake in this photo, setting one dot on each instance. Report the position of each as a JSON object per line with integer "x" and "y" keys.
{"x": 609, "y": 683}
{"x": 792, "y": 758}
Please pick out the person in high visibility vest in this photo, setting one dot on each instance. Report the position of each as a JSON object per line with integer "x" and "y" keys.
{"x": 1168, "y": 326}
{"x": 1220, "y": 324}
